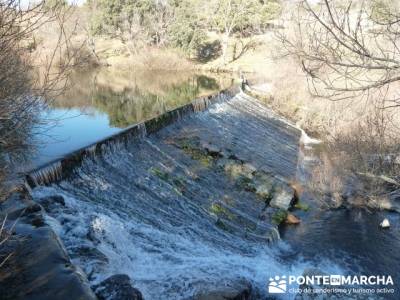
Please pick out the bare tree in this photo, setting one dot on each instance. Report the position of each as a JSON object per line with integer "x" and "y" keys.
{"x": 226, "y": 16}
{"x": 26, "y": 83}
{"x": 348, "y": 49}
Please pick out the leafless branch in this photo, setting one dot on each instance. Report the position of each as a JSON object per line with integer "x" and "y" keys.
{"x": 347, "y": 49}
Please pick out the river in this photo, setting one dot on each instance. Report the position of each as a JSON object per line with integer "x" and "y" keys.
{"x": 102, "y": 102}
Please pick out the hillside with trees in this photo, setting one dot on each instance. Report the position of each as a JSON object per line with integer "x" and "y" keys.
{"x": 198, "y": 31}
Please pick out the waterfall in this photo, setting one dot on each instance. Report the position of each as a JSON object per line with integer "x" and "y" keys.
{"x": 177, "y": 207}
{"x": 56, "y": 171}
{"x": 46, "y": 175}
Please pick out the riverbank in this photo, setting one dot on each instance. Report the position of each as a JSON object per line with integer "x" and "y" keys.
{"x": 337, "y": 181}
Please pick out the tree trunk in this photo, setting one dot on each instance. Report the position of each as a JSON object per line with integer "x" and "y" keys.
{"x": 225, "y": 47}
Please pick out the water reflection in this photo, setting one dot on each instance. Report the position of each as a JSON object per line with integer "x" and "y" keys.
{"x": 131, "y": 97}
{"x": 103, "y": 101}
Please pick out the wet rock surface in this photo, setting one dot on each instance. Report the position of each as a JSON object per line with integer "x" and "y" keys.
{"x": 51, "y": 202}
{"x": 39, "y": 267}
{"x": 117, "y": 287}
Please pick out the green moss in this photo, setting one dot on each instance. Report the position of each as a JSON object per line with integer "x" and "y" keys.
{"x": 279, "y": 216}
{"x": 178, "y": 183}
{"x": 246, "y": 184}
{"x": 219, "y": 210}
{"x": 192, "y": 148}
{"x": 302, "y": 206}
{"x": 160, "y": 174}
{"x": 221, "y": 225}
{"x": 205, "y": 160}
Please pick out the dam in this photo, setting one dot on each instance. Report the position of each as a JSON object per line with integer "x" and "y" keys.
{"x": 185, "y": 205}
{"x": 176, "y": 201}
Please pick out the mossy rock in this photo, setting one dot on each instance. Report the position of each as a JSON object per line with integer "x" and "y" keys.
{"x": 302, "y": 206}
{"x": 178, "y": 183}
{"x": 238, "y": 169}
{"x": 246, "y": 184}
{"x": 160, "y": 174}
{"x": 220, "y": 211}
{"x": 279, "y": 216}
{"x": 221, "y": 225}
{"x": 191, "y": 146}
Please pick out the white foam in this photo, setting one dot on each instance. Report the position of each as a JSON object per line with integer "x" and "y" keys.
{"x": 307, "y": 140}
{"x": 163, "y": 264}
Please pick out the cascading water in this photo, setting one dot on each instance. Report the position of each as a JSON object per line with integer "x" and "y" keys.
{"x": 177, "y": 210}
{"x": 47, "y": 175}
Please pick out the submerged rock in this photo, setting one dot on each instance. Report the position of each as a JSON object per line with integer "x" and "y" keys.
{"x": 51, "y": 201}
{"x": 88, "y": 253}
{"x": 385, "y": 223}
{"x": 117, "y": 287}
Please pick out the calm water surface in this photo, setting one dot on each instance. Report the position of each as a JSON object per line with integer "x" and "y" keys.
{"x": 100, "y": 103}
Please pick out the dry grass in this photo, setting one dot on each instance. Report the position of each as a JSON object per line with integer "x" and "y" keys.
{"x": 154, "y": 59}
{"x": 6, "y": 235}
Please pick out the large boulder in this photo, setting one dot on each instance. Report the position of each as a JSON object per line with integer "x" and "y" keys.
{"x": 117, "y": 287}
{"x": 39, "y": 267}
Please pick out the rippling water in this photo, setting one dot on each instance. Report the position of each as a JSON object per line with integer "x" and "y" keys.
{"x": 350, "y": 238}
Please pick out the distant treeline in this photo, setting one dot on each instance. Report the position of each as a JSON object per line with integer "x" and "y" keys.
{"x": 179, "y": 23}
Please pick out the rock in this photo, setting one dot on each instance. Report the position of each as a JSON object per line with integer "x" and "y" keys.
{"x": 50, "y": 201}
{"x": 283, "y": 197}
{"x": 89, "y": 253}
{"x": 267, "y": 232}
{"x": 292, "y": 219}
{"x": 212, "y": 150}
{"x": 263, "y": 189}
{"x": 237, "y": 291}
{"x": 40, "y": 268}
{"x": 117, "y": 287}
{"x": 385, "y": 223}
